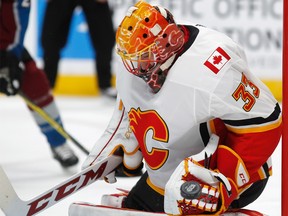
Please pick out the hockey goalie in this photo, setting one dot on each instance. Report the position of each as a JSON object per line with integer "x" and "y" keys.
{"x": 189, "y": 106}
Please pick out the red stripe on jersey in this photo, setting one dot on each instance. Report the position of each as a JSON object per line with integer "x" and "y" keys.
{"x": 254, "y": 148}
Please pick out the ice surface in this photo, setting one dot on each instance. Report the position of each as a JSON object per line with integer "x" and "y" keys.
{"x": 26, "y": 157}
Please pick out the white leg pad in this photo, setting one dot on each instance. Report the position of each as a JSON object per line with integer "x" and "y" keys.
{"x": 87, "y": 209}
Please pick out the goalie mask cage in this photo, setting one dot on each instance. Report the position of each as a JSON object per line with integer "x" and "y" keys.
{"x": 284, "y": 162}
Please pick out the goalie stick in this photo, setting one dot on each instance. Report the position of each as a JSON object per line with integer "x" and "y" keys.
{"x": 12, "y": 205}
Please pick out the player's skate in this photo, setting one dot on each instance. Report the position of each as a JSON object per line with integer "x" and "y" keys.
{"x": 64, "y": 155}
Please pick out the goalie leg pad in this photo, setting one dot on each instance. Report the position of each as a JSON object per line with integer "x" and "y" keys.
{"x": 87, "y": 209}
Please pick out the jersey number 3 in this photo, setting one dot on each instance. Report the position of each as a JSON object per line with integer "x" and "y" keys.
{"x": 141, "y": 123}
{"x": 249, "y": 97}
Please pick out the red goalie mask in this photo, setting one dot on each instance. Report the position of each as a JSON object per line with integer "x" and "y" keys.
{"x": 147, "y": 38}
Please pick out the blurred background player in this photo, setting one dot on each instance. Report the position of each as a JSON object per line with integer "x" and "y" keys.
{"x": 55, "y": 31}
{"x": 204, "y": 124}
{"x": 19, "y": 73}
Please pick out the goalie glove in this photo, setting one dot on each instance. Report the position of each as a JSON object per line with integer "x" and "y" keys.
{"x": 193, "y": 189}
{"x": 117, "y": 139}
{"x": 10, "y": 73}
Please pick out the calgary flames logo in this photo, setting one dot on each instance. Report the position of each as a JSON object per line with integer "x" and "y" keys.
{"x": 141, "y": 123}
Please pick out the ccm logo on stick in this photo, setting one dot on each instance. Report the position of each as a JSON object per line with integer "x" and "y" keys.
{"x": 61, "y": 192}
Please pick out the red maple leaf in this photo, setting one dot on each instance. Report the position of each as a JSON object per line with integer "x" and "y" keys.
{"x": 217, "y": 59}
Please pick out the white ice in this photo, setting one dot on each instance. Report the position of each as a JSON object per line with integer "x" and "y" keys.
{"x": 26, "y": 157}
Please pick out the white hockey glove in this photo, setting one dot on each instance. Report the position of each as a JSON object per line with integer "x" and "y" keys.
{"x": 193, "y": 189}
{"x": 117, "y": 139}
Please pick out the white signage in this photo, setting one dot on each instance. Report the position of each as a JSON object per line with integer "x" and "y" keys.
{"x": 255, "y": 24}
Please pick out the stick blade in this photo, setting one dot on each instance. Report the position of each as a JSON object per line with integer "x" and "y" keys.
{"x": 8, "y": 197}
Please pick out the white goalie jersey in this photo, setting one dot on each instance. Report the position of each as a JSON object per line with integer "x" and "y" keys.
{"x": 210, "y": 80}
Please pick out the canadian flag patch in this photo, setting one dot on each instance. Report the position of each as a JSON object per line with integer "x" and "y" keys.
{"x": 217, "y": 60}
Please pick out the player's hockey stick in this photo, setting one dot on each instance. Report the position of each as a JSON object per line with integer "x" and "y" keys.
{"x": 12, "y": 205}
{"x": 53, "y": 123}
